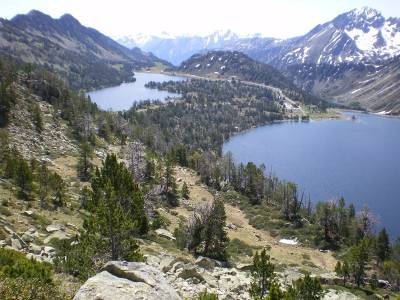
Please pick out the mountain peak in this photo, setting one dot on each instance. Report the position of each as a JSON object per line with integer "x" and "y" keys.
{"x": 36, "y": 13}
{"x": 69, "y": 19}
{"x": 366, "y": 12}
{"x": 360, "y": 18}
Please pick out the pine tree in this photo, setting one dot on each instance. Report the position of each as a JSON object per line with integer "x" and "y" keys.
{"x": 43, "y": 180}
{"x": 185, "y": 191}
{"x": 58, "y": 187}
{"x": 275, "y": 292}
{"x": 149, "y": 170}
{"x": 5, "y": 105}
{"x": 24, "y": 177}
{"x": 382, "y": 246}
{"x": 262, "y": 275}
{"x": 37, "y": 117}
{"x": 306, "y": 288}
{"x": 338, "y": 269}
{"x": 342, "y": 270}
{"x": 170, "y": 182}
{"x": 358, "y": 259}
{"x": 117, "y": 209}
{"x": 84, "y": 165}
{"x": 216, "y": 238}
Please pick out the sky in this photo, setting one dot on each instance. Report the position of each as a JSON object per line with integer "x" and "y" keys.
{"x": 279, "y": 18}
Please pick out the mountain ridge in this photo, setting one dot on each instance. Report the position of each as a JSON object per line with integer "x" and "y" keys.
{"x": 83, "y": 56}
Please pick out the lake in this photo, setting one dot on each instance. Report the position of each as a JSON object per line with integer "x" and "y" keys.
{"x": 123, "y": 96}
{"x": 359, "y": 160}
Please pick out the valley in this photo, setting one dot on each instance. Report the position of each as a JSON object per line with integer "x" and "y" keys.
{"x": 201, "y": 168}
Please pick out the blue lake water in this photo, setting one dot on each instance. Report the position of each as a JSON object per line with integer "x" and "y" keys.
{"x": 359, "y": 160}
{"x": 123, "y": 96}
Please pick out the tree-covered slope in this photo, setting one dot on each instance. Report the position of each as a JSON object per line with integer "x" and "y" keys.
{"x": 233, "y": 64}
{"x": 83, "y": 56}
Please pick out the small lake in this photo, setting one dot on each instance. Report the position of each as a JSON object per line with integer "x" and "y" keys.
{"x": 359, "y": 160}
{"x": 123, "y": 96}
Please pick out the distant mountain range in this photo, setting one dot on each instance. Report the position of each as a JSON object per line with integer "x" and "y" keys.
{"x": 341, "y": 60}
{"x": 358, "y": 35}
{"x": 176, "y": 49}
{"x": 83, "y": 56}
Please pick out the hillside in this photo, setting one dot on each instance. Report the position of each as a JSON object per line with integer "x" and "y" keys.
{"x": 233, "y": 64}
{"x": 373, "y": 87}
{"x": 84, "y": 57}
{"x": 57, "y": 208}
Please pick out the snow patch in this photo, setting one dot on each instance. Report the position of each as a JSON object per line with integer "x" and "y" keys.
{"x": 289, "y": 241}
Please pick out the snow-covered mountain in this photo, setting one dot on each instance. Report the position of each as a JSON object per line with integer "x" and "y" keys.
{"x": 176, "y": 49}
{"x": 360, "y": 35}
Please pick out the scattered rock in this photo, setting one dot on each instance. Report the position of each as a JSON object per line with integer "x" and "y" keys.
{"x": 53, "y": 227}
{"x": 16, "y": 244}
{"x": 30, "y": 235}
{"x": 35, "y": 249}
{"x": 174, "y": 264}
{"x": 72, "y": 226}
{"x": 190, "y": 272}
{"x": 207, "y": 263}
{"x": 59, "y": 235}
{"x": 49, "y": 250}
{"x": 231, "y": 226}
{"x": 165, "y": 233}
{"x": 339, "y": 295}
{"x": 28, "y": 213}
{"x": 244, "y": 267}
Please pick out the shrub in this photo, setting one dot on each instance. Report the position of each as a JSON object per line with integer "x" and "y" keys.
{"x": 32, "y": 289}
{"x": 159, "y": 222}
{"x": 5, "y": 211}
{"x": 238, "y": 248}
{"x": 14, "y": 264}
{"x": 207, "y": 296}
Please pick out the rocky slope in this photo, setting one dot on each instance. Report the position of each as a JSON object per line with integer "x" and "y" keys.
{"x": 175, "y": 278}
{"x": 82, "y": 55}
{"x": 360, "y": 35}
{"x": 370, "y": 86}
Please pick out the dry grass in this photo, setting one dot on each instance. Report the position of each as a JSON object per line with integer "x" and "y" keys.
{"x": 285, "y": 254}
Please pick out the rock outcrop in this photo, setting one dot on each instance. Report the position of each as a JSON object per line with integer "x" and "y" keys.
{"x": 127, "y": 280}
{"x": 173, "y": 277}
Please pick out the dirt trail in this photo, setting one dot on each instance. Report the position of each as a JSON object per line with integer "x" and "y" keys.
{"x": 242, "y": 230}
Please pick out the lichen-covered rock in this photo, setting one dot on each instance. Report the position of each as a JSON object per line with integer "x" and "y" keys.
{"x": 127, "y": 280}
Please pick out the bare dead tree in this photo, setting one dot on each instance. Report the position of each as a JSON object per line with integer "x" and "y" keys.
{"x": 86, "y": 125}
{"x": 135, "y": 158}
{"x": 366, "y": 221}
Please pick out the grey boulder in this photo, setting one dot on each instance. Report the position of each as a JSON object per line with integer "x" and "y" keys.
{"x": 127, "y": 280}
